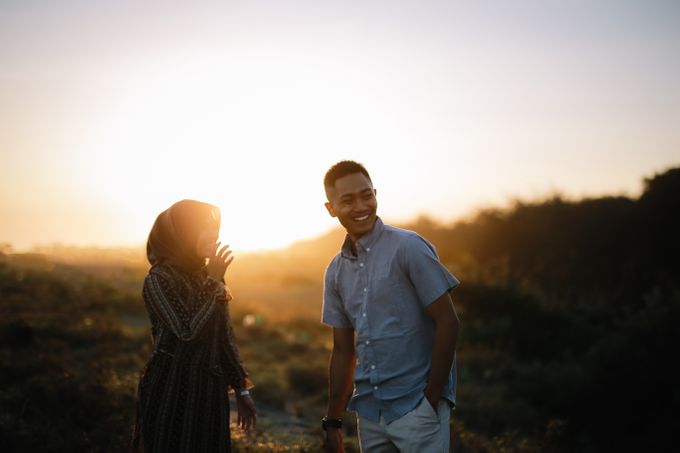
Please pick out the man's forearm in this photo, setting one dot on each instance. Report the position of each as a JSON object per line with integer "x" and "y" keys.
{"x": 340, "y": 381}
{"x": 443, "y": 349}
{"x": 444, "y": 345}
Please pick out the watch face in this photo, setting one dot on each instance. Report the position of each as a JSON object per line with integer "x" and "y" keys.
{"x": 331, "y": 423}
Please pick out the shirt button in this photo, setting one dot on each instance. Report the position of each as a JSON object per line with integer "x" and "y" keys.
{"x": 363, "y": 314}
{"x": 373, "y": 367}
{"x": 365, "y": 289}
{"x": 375, "y": 387}
{"x": 368, "y": 249}
{"x": 361, "y": 264}
{"x": 368, "y": 341}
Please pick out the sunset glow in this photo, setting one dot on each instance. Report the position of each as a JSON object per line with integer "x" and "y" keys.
{"x": 109, "y": 116}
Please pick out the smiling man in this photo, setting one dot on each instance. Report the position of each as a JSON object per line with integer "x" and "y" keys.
{"x": 386, "y": 296}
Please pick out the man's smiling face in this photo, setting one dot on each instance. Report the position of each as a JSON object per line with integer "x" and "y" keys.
{"x": 352, "y": 200}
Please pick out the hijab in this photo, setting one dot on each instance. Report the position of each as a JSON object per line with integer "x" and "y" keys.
{"x": 172, "y": 239}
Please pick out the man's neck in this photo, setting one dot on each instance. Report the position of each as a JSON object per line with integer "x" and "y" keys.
{"x": 353, "y": 240}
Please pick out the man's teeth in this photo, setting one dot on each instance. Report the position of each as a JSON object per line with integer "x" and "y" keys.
{"x": 360, "y": 219}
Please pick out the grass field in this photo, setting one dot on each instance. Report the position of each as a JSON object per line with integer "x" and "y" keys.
{"x": 569, "y": 313}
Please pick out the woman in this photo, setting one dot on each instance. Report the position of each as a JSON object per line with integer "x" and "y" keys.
{"x": 183, "y": 403}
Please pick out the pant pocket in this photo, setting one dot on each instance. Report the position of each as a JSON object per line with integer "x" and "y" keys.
{"x": 425, "y": 409}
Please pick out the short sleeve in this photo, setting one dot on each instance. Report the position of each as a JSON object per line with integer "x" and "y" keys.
{"x": 427, "y": 274}
{"x": 333, "y": 311}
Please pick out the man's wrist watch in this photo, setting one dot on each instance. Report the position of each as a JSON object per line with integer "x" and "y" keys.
{"x": 331, "y": 423}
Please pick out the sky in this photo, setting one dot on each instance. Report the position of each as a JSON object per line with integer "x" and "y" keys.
{"x": 112, "y": 111}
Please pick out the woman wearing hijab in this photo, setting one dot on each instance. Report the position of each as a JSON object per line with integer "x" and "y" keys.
{"x": 183, "y": 402}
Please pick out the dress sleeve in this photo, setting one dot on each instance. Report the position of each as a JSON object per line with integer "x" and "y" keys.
{"x": 236, "y": 374}
{"x": 163, "y": 301}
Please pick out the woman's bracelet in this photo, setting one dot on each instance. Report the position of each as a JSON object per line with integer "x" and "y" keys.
{"x": 243, "y": 392}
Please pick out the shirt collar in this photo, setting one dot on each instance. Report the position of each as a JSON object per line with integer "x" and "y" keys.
{"x": 365, "y": 242}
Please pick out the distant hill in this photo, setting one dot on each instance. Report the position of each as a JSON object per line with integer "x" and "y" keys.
{"x": 560, "y": 249}
{"x": 557, "y": 247}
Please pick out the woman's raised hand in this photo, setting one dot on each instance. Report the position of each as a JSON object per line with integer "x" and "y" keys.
{"x": 219, "y": 261}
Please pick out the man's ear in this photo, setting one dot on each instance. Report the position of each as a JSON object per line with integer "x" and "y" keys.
{"x": 329, "y": 207}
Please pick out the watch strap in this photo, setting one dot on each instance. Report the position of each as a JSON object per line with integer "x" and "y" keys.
{"x": 331, "y": 423}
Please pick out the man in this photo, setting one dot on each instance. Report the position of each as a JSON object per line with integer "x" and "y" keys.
{"x": 386, "y": 296}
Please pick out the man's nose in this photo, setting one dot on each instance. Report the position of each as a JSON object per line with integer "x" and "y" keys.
{"x": 360, "y": 205}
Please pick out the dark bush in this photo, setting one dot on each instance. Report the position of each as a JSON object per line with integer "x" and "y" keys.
{"x": 306, "y": 379}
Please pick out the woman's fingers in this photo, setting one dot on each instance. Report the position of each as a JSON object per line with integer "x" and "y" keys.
{"x": 252, "y": 420}
{"x": 224, "y": 252}
{"x": 254, "y": 412}
{"x": 246, "y": 422}
{"x": 247, "y": 415}
{"x": 225, "y": 255}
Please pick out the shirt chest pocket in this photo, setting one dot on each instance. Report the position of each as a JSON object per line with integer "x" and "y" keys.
{"x": 385, "y": 307}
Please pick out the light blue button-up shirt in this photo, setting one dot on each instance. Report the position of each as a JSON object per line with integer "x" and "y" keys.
{"x": 382, "y": 293}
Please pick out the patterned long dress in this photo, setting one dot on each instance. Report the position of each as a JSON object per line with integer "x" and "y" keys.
{"x": 183, "y": 404}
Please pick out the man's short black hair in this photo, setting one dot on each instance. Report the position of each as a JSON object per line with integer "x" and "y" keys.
{"x": 341, "y": 169}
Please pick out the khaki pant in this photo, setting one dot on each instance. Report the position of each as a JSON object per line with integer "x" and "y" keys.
{"x": 419, "y": 431}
